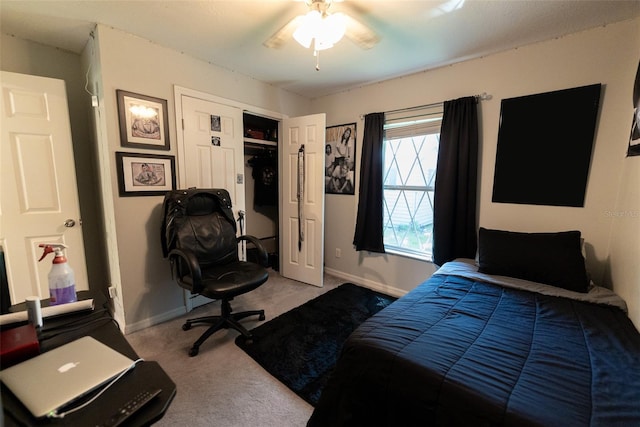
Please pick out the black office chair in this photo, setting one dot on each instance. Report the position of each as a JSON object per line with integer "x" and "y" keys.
{"x": 199, "y": 239}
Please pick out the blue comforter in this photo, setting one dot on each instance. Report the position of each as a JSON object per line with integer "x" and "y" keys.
{"x": 460, "y": 352}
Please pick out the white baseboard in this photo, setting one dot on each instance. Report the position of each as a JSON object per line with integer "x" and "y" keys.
{"x": 163, "y": 317}
{"x": 371, "y": 284}
{"x": 367, "y": 283}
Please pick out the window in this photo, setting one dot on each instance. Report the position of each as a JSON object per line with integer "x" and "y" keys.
{"x": 411, "y": 145}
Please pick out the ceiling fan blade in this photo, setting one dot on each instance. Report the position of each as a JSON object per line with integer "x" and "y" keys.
{"x": 360, "y": 34}
{"x": 284, "y": 34}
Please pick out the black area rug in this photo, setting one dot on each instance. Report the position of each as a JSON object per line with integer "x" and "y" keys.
{"x": 301, "y": 346}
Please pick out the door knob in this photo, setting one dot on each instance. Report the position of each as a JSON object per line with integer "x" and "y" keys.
{"x": 69, "y": 223}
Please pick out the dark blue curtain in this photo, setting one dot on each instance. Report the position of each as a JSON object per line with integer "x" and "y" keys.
{"x": 368, "y": 234}
{"x": 454, "y": 216}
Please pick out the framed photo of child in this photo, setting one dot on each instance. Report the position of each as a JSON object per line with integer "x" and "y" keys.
{"x": 145, "y": 174}
{"x": 143, "y": 121}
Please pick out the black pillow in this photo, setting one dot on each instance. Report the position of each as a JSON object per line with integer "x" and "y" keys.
{"x": 550, "y": 258}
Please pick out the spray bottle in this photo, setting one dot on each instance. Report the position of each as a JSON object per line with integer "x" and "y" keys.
{"x": 62, "y": 283}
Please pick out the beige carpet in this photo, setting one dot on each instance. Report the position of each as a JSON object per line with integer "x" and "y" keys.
{"x": 222, "y": 385}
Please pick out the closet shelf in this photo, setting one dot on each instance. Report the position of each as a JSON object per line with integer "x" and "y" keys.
{"x": 260, "y": 142}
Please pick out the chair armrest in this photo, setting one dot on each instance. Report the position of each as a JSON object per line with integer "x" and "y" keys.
{"x": 263, "y": 256}
{"x": 191, "y": 262}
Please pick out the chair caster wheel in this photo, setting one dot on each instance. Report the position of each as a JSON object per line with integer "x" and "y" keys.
{"x": 262, "y": 317}
{"x": 194, "y": 351}
{"x": 186, "y": 326}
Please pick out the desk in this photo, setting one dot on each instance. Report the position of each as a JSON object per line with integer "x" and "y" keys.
{"x": 100, "y": 325}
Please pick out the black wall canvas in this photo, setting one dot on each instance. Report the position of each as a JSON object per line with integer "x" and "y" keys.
{"x": 544, "y": 147}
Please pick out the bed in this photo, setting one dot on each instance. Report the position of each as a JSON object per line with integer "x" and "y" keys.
{"x": 473, "y": 346}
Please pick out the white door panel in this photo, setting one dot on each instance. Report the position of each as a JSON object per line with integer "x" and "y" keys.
{"x": 302, "y": 260}
{"x": 205, "y": 165}
{"x": 38, "y": 190}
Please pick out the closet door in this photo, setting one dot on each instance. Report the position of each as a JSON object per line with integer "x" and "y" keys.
{"x": 212, "y": 155}
{"x": 302, "y": 220}
{"x": 213, "y": 151}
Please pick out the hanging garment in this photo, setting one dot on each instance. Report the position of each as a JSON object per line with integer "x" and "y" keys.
{"x": 265, "y": 175}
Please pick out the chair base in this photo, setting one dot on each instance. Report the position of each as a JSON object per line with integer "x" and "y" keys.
{"x": 225, "y": 320}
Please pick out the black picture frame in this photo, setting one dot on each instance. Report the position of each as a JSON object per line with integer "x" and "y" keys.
{"x": 144, "y": 121}
{"x": 342, "y": 155}
{"x": 145, "y": 174}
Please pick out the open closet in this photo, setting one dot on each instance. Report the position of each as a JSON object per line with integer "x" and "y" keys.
{"x": 258, "y": 156}
{"x": 261, "y": 182}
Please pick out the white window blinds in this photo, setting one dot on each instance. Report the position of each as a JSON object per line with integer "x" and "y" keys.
{"x": 424, "y": 120}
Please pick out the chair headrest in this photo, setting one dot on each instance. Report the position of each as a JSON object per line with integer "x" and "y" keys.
{"x": 189, "y": 203}
{"x": 201, "y": 204}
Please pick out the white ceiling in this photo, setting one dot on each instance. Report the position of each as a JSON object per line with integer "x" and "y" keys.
{"x": 414, "y": 35}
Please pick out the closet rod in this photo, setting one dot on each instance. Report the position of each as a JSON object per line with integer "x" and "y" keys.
{"x": 481, "y": 97}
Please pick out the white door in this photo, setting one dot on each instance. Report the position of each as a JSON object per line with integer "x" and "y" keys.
{"x": 212, "y": 155}
{"x": 302, "y": 221}
{"x": 39, "y": 198}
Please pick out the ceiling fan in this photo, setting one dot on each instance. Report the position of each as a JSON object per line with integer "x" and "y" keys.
{"x": 321, "y": 29}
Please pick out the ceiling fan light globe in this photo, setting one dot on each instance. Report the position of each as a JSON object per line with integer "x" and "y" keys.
{"x": 303, "y": 37}
{"x": 322, "y": 45}
{"x": 329, "y": 31}
{"x": 308, "y": 29}
{"x": 328, "y": 35}
{"x": 323, "y": 40}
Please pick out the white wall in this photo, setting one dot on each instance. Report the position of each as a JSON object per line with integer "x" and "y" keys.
{"x": 624, "y": 268}
{"x": 607, "y": 55}
{"x": 130, "y": 63}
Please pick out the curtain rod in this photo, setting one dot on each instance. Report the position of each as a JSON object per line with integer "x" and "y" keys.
{"x": 484, "y": 96}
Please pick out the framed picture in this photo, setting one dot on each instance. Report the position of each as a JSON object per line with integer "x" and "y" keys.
{"x": 340, "y": 159}
{"x": 215, "y": 123}
{"x": 143, "y": 121}
{"x": 145, "y": 174}
{"x": 634, "y": 139}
